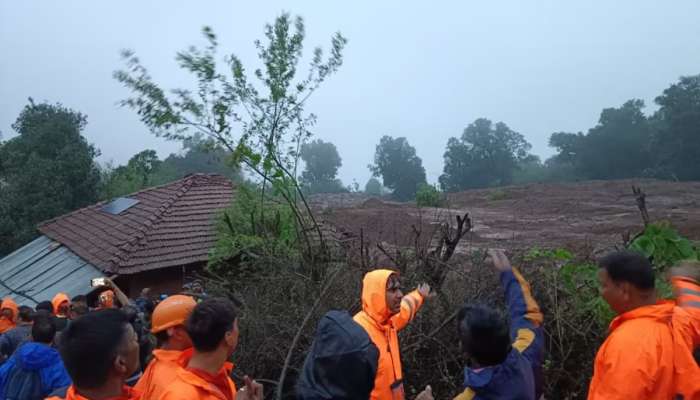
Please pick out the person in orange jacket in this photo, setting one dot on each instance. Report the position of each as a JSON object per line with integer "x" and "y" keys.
{"x": 100, "y": 351}
{"x": 385, "y": 311}
{"x": 213, "y": 329}
{"x": 648, "y": 352}
{"x": 8, "y": 317}
{"x": 61, "y": 306}
{"x": 175, "y": 345}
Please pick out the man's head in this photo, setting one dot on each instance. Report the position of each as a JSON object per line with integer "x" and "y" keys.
{"x": 60, "y": 304}
{"x": 8, "y": 309}
{"x": 626, "y": 281}
{"x": 213, "y": 326}
{"x": 77, "y": 310}
{"x": 484, "y": 335}
{"x": 393, "y": 294}
{"x": 99, "y": 347}
{"x": 106, "y": 299}
{"x": 43, "y": 328}
{"x": 168, "y": 322}
{"x": 44, "y": 306}
{"x": 25, "y": 314}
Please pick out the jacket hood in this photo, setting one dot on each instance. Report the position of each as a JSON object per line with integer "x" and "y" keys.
{"x": 34, "y": 356}
{"x": 57, "y": 300}
{"x": 7, "y": 302}
{"x": 511, "y": 380}
{"x": 661, "y": 311}
{"x": 342, "y": 362}
{"x": 374, "y": 294}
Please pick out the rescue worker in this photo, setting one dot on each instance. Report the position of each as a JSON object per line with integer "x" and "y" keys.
{"x": 10, "y": 340}
{"x": 100, "y": 352}
{"x": 385, "y": 311}
{"x": 648, "y": 351}
{"x": 8, "y": 314}
{"x": 341, "y": 363}
{"x": 213, "y": 329}
{"x": 503, "y": 361}
{"x": 61, "y": 307}
{"x": 175, "y": 345}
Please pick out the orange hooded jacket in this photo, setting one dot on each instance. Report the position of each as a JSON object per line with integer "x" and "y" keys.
{"x": 383, "y": 330}
{"x": 648, "y": 353}
{"x": 190, "y": 386}
{"x": 127, "y": 394}
{"x": 5, "y": 323}
{"x": 57, "y": 300}
{"x": 161, "y": 372}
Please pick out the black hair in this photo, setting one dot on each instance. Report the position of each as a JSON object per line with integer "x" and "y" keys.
{"x": 45, "y": 305}
{"x": 209, "y": 322}
{"x": 43, "y": 328}
{"x": 26, "y": 313}
{"x": 79, "y": 308}
{"x": 484, "y": 334}
{"x": 90, "y": 344}
{"x": 630, "y": 267}
{"x": 81, "y": 298}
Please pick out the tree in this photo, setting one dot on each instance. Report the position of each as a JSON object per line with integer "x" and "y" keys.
{"x": 45, "y": 171}
{"x": 395, "y": 160}
{"x": 373, "y": 187}
{"x": 676, "y": 140}
{"x": 616, "y": 148}
{"x": 485, "y": 155}
{"x": 322, "y": 162}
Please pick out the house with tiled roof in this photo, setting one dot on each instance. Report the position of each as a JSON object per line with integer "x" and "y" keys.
{"x": 159, "y": 238}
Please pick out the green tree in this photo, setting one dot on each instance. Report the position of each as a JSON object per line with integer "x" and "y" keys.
{"x": 137, "y": 174}
{"x": 373, "y": 187}
{"x": 47, "y": 170}
{"x": 395, "y": 160}
{"x": 676, "y": 139}
{"x": 485, "y": 155}
{"x": 263, "y": 124}
{"x": 322, "y": 162}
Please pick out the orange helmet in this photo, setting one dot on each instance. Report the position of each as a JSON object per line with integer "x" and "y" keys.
{"x": 171, "y": 312}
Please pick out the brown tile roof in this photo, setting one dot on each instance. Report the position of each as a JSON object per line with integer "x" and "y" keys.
{"x": 172, "y": 225}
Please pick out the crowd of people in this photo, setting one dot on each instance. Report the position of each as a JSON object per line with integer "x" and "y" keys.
{"x": 180, "y": 347}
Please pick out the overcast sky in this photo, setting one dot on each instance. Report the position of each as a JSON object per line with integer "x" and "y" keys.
{"x": 423, "y": 70}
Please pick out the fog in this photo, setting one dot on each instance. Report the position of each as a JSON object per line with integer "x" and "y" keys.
{"x": 423, "y": 70}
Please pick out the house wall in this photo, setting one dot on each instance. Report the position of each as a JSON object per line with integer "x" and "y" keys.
{"x": 166, "y": 280}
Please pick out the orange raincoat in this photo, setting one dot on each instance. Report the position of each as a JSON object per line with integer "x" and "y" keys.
{"x": 190, "y": 386}
{"x": 383, "y": 330}
{"x": 57, "y": 300}
{"x": 648, "y": 353}
{"x": 5, "y": 323}
{"x": 162, "y": 371}
{"x": 127, "y": 394}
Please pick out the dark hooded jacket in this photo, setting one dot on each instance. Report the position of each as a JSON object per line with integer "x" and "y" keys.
{"x": 342, "y": 362}
{"x": 35, "y": 358}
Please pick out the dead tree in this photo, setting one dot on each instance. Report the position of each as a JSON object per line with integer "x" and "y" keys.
{"x": 640, "y": 197}
{"x": 436, "y": 261}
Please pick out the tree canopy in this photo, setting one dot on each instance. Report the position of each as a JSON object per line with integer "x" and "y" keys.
{"x": 321, "y": 161}
{"x": 48, "y": 169}
{"x": 486, "y": 154}
{"x": 402, "y": 171}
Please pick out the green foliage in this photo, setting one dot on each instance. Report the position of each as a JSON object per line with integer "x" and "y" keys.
{"x": 677, "y": 131}
{"x": 321, "y": 161}
{"x": 253, "y": 234}
{"x": 373, "y": 187}
{"x": 45, "y": 171}
{"x": 498, "y": 194}
{"x": 260, "y": 119}
{"x": 429, "y": 196}
{"x": 664, "y": 246}
{"x": 486, "y": 155}
{"x": 402, "y": 171}
{"x": 616, "y": 148}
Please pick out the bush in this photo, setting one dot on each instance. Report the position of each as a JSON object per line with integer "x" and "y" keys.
{"x": 429, "y": 196}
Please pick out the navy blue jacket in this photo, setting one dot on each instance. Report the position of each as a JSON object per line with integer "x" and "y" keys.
{"x": 519, "y": 377}
{"x": 33, "y": 356}
{"x": 342, "y": 362}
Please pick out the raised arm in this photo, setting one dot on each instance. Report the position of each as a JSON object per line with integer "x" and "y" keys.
{"x": 410, "y": 304}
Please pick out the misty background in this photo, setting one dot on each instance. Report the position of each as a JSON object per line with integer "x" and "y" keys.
{"x": 413, "y": 69}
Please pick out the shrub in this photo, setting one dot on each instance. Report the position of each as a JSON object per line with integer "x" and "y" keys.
{"x": 429, "y": 196}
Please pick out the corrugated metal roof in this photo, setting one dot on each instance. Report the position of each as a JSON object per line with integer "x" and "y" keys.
{"x": 42, "y": 268}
